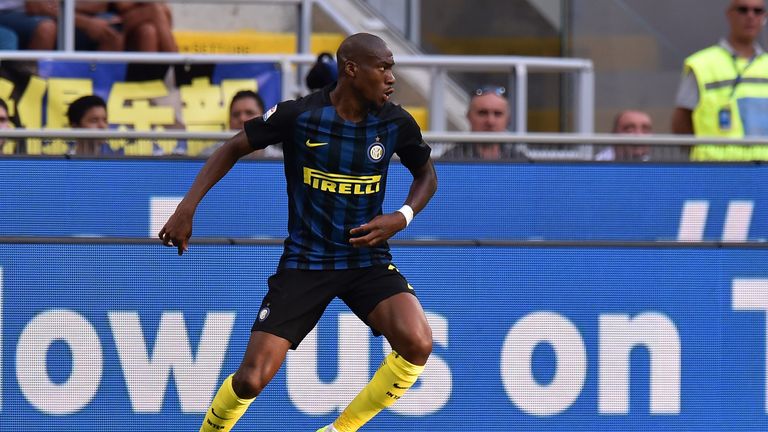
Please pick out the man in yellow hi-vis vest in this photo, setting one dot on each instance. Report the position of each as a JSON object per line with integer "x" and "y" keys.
{"x": 724, "y": 90}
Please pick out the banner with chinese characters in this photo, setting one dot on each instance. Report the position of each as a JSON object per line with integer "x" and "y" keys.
{"x": 141, "y": 97}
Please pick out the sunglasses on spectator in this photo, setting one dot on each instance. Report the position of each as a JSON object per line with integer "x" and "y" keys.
{"x": 4, "y": 119}
{"x": 744, "y": 10}
{"x": 498, "y": 91}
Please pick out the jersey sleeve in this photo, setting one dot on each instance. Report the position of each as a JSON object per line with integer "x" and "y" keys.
{"x": 688, "y": 92}
{"x": 411, "y": 148}
{"x": 272, "y": 127}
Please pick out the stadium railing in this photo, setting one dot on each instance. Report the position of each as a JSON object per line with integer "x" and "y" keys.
{"x": 439, "y": 65}
{"x": 583, "y": 141}
{"x": 441, "y": 91}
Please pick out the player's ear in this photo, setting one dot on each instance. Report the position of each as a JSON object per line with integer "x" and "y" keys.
{"x": 350, "y": 68}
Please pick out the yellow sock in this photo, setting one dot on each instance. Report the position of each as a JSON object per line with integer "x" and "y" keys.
{"x": 394, "y": 377}
{"x": 226, "y": 409}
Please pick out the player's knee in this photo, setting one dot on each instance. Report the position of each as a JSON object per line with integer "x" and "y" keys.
{"x": 423, "y": 344}
{"x": 248, "y": 383}
{"x": 418, "y": 346}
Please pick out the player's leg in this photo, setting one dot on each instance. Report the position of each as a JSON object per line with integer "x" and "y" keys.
{"x": 294, "y": 303}
{"x": 263, "y": 357}
{"x": 400, "y": 318}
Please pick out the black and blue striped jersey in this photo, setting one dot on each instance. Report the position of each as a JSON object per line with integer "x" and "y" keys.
{"x": 336, "y": 173}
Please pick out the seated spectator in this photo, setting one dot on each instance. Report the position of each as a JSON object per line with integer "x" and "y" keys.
{"x": 245, "y": 105}
{"x": 93, "y": 26}
{"x": 324, "y": 71}
{"x": 631, "y": 122}
{"x": 147, "y": 27}
{"x": 488, "y": 112}
{"x": 97, "y": 29}
{"x": 89, "y": 112}
{"x": 34, "y": 31}
{"x": 8, "y": 39}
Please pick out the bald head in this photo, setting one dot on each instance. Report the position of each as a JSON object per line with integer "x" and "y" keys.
{"x": 365, "y": 72}
{"x": 632, "y": 122}
{"x": 359, "y": 47}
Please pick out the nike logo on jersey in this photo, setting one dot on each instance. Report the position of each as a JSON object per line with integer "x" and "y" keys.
{"x": 315, "y": 144}
{"x": 398, "y": 386}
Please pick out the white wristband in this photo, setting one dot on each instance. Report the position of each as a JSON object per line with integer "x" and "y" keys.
{"x": 407, "y": 211}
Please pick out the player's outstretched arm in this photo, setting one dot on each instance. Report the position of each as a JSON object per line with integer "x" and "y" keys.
{"x": 382, "y": 227}
{"x": 178, "y": 229}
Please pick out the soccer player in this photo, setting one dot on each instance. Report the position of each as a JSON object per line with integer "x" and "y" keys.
{"x": 337, "y": 145}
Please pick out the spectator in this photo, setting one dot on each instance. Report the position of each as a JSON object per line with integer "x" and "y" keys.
{"x": 93, "y": 25}
{"x": 34, "y": 31}
{"x": 488, "y": 112}
{"x": 245, "y": 105}
{"x": 97, "y": 29}
{"x": 8, "y": 39}
{"x": 148, "y": 27}
{"x": 89, "y": 112}
{"x": 5, "y": 123}
{"x": 323, "y": 72}
{"x": 723, "y": 92}
{"x": 632, "y": 122}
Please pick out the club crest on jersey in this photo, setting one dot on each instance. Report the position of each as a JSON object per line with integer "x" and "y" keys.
{"x": 376, "y": 150}
{"x": 263, "y": 313}
{"x": 269, "y": 113}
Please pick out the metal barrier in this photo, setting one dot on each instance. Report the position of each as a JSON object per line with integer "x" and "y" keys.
{"x": 581, "y": 141}
{"x": 437, "y": 64}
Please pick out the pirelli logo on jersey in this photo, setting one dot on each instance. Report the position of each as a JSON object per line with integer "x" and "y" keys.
{"x": 341, "y": 183}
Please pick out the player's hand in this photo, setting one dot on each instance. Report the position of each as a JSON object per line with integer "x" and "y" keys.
{"x": 377, "y": 231}
{"x": 177, "y": 231}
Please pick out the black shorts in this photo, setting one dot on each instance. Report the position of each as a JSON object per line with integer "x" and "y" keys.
{"x": 297, "y": 298}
